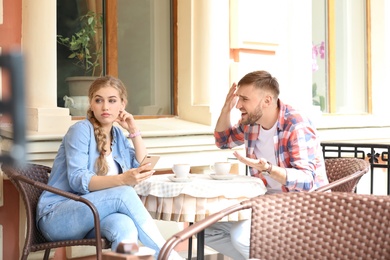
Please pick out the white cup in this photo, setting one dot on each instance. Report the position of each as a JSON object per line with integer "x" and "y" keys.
{"x": 181, "y": 170}
{"x": 221, "y": 167}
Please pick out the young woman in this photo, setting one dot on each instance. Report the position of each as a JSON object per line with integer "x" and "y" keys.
{"x": 96, "y": 161}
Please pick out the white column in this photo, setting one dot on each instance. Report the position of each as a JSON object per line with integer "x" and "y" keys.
{"x": 203, "y": 53}
{"x": 39, "y": 48}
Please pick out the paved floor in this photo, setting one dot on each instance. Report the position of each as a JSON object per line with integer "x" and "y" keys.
{"x": 210, "y": 254}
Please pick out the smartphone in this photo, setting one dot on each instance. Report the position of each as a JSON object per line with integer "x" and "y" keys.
{"x": 152, "y": 159}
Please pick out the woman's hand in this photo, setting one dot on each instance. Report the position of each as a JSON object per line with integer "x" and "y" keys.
{"x": 127, "y": 121}
{"x": 136, "y": 175}
{"x": 130, "y": 177}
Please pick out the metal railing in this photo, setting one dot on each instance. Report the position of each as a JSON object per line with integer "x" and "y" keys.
{"x": 376, "y": 154}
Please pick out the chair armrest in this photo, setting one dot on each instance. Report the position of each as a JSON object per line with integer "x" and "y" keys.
{"x": 69, "y": 195}
{"x": 199, "y": 226}
{"x": 346, "y": 179}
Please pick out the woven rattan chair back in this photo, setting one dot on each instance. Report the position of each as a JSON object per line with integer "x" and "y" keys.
{"x": 308, "y": 225}
{"x": 329, "y": 225}
{"x": 30, "y": 181}
{"x": 344, "y": 174}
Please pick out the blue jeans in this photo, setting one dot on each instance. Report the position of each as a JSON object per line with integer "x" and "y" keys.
{"x": 122, "y": 217}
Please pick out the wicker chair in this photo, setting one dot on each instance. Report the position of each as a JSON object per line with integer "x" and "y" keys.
{"x": 30, "y": 181}
{"x": 316, "y": 225}
{"x": 344, "y": 174}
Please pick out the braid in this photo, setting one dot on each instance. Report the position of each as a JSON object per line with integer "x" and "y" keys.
{"x": 101, "y": 140}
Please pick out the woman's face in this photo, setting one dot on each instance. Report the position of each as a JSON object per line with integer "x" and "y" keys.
{"x": 106, "y": 105}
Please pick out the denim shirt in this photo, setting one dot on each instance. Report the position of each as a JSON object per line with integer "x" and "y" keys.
{"x": 74, "y": 164}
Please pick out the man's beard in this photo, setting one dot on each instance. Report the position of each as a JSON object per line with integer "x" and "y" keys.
{"x": 253, "y": 117}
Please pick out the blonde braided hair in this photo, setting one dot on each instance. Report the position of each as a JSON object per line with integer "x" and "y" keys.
{"x": 101, "y": 138}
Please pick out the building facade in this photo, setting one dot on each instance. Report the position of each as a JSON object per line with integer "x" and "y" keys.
{"x": 216, "y": 45}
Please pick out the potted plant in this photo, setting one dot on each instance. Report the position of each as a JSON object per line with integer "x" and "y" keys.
{"x": 85, "y": 47}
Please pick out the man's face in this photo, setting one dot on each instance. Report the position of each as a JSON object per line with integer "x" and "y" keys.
{"x": 249, "y": 103}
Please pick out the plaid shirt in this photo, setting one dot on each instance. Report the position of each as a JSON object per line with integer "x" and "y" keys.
{"x": 297, "y": 148}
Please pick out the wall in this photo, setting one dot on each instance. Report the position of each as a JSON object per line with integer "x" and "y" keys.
{"x": 10, "y": 24}
{"x": 10, "y": 224}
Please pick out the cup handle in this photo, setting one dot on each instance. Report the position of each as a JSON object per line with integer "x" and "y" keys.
{"x": 212, "y": 167}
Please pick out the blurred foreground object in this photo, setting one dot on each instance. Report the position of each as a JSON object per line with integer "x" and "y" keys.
{"x": 127, "y": 248}
{"x": 130, "y": 251}
{"x": 15, "y": 107}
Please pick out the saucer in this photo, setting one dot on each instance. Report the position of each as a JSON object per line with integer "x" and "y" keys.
{"x": 174, "y": 179}
{"x": 221, "y": 176}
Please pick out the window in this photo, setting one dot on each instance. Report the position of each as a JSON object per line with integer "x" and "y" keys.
{"x": 144, "y": 54}
{"x": 137, "y": 47}
{"x": 80, "y": 50}
{"x": 341, "y": 60}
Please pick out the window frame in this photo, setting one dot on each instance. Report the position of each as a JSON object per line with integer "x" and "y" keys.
{"x": 331, "y": 67}
{"x": 111, "y": 59}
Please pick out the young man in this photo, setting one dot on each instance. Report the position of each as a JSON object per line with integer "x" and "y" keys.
{"x": 282, "y": 148}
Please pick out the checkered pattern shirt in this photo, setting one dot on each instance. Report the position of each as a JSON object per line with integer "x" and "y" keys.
{"x": 297, "y": 148}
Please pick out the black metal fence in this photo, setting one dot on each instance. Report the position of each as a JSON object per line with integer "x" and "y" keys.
{"x": 376, "y": 154}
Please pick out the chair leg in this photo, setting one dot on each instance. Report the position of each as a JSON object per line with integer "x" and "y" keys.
{"x": 47, "y": 254}
{"x": 99, "y": 255}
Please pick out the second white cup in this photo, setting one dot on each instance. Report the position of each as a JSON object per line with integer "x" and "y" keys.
{"x": 181, "y": 170}
{"x": 221, "y": 167}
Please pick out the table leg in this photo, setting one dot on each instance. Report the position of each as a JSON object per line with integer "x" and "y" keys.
{"x": 200, "y": 246}
{"x": 190, "y": 245}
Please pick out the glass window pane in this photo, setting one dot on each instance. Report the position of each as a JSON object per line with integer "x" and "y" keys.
{"x": 319, "y": 55}
{"x": 350, "y": 58}
{"x": 340, "y": 56}
{"x": 144, "y": 55}
{"x": 79, "y": 44}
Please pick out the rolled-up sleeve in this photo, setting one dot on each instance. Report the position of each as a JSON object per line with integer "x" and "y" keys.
{"x": 302, "y": 157}
{"x": 230, "y": 137}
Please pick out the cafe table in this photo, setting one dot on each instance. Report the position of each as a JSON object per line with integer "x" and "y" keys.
{"x": 193, "y": 199}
